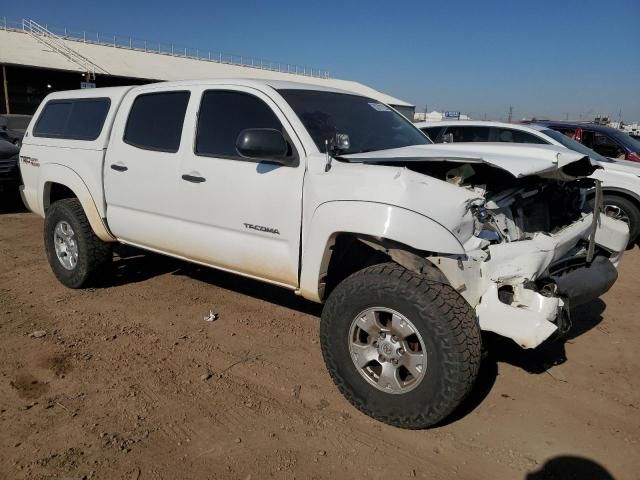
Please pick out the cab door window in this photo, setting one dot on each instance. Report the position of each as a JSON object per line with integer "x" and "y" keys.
{"x": 586, "y": 138}
{"x": 223, "y": 115}
{"x": 155, "y": 121}
{"x": 606, "y": 146}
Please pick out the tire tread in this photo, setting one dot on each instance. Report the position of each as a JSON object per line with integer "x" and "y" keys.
{"x": 463, "y": 351}
{"x": 98, "y": 252}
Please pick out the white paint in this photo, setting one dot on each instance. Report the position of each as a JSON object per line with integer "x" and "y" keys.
{"x": 527, "y": 322}
{"x": 150, "y": 206}
{"x": 518, "y": 160}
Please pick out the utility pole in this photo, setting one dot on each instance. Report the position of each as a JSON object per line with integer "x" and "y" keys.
{"x": 510, "y": 114}
{"x": 566, "y": 116}
{"x": 6, "y": 89}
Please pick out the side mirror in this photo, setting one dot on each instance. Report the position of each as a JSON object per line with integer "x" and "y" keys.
{"x": 447, "y": 138}
{"x": 342, "y": 142}
{"x": 263, "y": 144}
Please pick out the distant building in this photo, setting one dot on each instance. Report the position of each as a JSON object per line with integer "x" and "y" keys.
{"x": 436, "y": 116}
{"x": 36, "y": 60}
{"x": 630, "y": 128}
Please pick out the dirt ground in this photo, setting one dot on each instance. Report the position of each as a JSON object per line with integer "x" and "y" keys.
{"x": 128, "y": 381}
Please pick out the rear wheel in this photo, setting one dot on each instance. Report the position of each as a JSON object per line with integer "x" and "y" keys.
{"x": 623, "y": 209}
{"x": 76, "y": 255}
{"x": 403, "y": 349}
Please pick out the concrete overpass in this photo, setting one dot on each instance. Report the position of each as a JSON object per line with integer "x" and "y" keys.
{"x": 37, "y": 59}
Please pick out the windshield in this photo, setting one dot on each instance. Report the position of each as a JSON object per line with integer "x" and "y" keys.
{"x": 628, "y": 140}
{"x": 573, "y": 145}
{"x": 371, "y": 125}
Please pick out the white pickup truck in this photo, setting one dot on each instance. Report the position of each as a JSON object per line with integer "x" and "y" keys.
{"x": 414, "y": 248}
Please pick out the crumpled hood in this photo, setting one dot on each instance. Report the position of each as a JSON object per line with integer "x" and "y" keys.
{"x": 519, "y": 160}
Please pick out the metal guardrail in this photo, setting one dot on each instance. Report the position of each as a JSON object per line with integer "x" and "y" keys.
{"x": 170, "y": 49}
{"x": 56, "y": 43}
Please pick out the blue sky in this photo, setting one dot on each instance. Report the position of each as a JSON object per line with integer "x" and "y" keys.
{"x": 545, "y": 58}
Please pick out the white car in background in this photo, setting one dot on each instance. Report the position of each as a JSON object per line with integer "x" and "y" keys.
{"x": 620, "y": 178}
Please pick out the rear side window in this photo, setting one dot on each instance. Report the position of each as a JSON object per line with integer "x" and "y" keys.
{"x": 155, "y": 121}
{"x": 469, "y": 134}
{"x": 433, "y": 132}
{"x": 73, "y": 119}
{"x": 223, "y": 115}
{"x": 509, "y": 135}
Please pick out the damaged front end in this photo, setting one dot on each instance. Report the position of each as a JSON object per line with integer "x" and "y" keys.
{"x": 538, "y": 248}
{"x": 534, "y": 244}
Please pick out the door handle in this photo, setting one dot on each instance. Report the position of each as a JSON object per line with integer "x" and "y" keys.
{"x": 194, "y": 178}
{"x": 119, "y": 167}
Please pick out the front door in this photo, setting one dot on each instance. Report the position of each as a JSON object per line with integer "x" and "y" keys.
{"x": 245, "y": 215}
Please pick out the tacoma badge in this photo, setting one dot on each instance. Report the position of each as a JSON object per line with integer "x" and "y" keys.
{"x": 260, "y": 228}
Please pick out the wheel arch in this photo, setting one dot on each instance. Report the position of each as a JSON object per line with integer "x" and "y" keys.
{"x": 57, "y": 182}
{"x": 634, "y": 199}
{"x": 623, "y": 192}
{"x": 346, "y": 231}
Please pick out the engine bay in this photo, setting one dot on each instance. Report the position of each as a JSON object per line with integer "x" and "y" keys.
{"x": 514, "y": 208}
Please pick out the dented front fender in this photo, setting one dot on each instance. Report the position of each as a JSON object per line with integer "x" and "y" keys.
{"x": 372, "y": 219}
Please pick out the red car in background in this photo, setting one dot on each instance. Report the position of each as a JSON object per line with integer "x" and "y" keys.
{"x": 607, "y": 141}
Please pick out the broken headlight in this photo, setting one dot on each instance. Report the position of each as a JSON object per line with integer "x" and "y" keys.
{"x": 484, "y": 225}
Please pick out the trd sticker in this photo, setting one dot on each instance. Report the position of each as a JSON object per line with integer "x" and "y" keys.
{"x": 30, "y": 161}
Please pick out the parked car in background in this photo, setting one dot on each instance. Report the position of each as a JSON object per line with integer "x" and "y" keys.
{"x": 620, "y": 178}
{"x": 9, "y": 172}
{"x": 608, "y": 142}
{"x": 12, "y": 127}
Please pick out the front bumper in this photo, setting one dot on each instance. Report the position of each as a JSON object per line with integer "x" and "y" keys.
{"x": 516, "y": 288}
{"x": 531, "y": 316}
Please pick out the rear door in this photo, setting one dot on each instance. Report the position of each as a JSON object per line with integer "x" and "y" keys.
{"x": 245, "y": 215}
{"x": 142, "y": 169}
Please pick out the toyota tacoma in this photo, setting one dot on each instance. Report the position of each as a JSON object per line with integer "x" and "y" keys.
{"x": 413, "y": 248}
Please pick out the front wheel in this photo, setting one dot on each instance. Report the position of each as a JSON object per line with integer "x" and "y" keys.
{"x": 76, "y": 255}
{"x": 401, "y": 348}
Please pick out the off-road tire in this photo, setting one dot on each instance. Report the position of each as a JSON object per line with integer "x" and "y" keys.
{"x": 446, "y": 322}
{"x": 93, "y": 254}
{"x": 630, "y": 210}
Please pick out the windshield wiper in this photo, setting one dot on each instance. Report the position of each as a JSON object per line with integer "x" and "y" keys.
{"x": 364, "y": 150}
